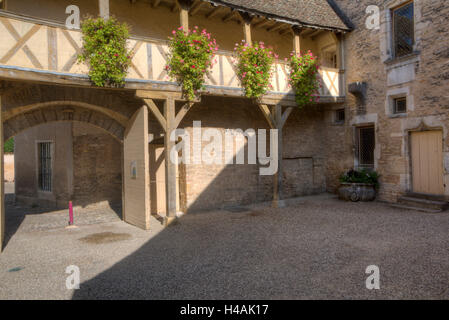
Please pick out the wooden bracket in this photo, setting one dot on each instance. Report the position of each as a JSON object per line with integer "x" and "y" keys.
{"x": 164, "y": 122}
{"x": 275, "y": 121}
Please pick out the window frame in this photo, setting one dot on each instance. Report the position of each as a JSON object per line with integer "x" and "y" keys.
{"x": 38, "y": 161}
{"x": 393, "y": 33}
{"x": 336, "y": 116}
{"x": 395, "y": 103}
{"x": 360, "y": 165}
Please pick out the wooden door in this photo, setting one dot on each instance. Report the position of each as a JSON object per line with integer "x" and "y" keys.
{"x": 427, "y": 162}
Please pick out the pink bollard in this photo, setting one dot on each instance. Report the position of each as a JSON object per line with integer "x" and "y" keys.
{"x": 70, "y": 213}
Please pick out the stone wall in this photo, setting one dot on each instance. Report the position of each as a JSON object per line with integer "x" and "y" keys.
{"x": 26, "y": 164}
{"x": 97, "y": 174}
{"x": 221, "y": 185}
{"x": 422, "y": 78}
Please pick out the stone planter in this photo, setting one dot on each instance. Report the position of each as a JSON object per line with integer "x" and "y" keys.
{"x": 357, "y": 191}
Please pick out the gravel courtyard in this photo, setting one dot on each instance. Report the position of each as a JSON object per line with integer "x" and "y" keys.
{"x": 316, "y": 248}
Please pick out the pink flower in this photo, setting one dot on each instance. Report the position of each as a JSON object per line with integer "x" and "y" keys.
{"x": 193, "y": 66}
{"x": 173, "y": 32}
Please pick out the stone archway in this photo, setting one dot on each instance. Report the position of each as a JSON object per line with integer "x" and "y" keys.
{"x": 21, "y": 118}
{"x": 26, "y": 105}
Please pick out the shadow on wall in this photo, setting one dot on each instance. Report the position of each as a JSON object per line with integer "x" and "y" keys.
{"x": 203, "y": 250}
{"x": 205, "y": 187}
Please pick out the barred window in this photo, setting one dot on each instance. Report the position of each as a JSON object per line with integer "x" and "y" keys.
{"x": 45, "y": 166}
{"x": 366, "y": 144}
{"x": 403, "y": 29}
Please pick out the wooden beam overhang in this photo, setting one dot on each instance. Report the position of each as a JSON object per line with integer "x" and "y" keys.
{"x": 215, "y": 11}
{"x": 196, "y": 7}
{"x": 276, "y": 27}
{"x": 232, "y": 14}
{"x": 262, "y": 23}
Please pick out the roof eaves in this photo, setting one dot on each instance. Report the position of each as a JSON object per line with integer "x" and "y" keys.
{"x": 283, "y": 19}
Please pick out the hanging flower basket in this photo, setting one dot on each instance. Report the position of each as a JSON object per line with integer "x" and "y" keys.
{"x": 191, "y": 57}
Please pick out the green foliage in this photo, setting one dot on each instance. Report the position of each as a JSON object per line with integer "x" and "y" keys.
{"x": 9, "y": 146}
{"x": 254, "y": 67}
{"x": 360, "y": 176}
{"x": 191, "y": 55}
{"x": 105, "y": 51}
{"x": 304, "y": 78}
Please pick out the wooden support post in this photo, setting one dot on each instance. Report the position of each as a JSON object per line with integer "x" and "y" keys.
{"x": 2, "y": 184}
{"x": 184, "y": 6}
{"x": 247, "y": 19}
{"x": 297, "y": 39}
{"x": 170, "y": 167}
{"x": 277, "y": 187}
{"x": 169, "y": 122}
{"x": 277, "y": 121}
{"x": 104, "y": 8}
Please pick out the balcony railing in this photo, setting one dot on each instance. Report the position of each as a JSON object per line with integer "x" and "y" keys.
{"x": 31, "y": 45}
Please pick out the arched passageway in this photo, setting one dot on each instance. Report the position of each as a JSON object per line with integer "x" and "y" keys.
{"x": 71, "y": 142}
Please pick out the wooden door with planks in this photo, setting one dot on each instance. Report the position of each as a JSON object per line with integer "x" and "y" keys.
{"x": 427, "y": 162}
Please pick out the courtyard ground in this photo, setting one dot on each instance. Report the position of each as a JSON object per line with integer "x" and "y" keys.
{"x": 317, "y": 247}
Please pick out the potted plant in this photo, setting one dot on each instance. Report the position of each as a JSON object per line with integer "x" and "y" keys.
{"x": 358, "y": 185}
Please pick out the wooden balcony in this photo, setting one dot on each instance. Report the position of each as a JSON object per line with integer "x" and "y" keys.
{"x": 44, "y": 51}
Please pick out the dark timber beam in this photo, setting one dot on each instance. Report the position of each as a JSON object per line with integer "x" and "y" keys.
{"x": 277, "y": 119}
{"x": 196, "y": 7}
{"x": 262, "y": 23}
{"x": 214, "y": 12}
{"x": 229, "y": 16}
{"x": 276, "y": 27}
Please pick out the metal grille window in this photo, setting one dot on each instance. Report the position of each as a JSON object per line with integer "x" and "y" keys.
{"x": 45, "y": 164}
{"x": 366, "y": 145}
{"x": 400, "y": 105}
{"x": 403, "y": 29}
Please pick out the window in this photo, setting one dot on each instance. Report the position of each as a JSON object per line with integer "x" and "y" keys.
{"x": 44, "y": 150}
{"x": 340, "y": 116}
{"x": 366, "y": 144}
{"x": 399, "y": 105}
{"x": 2, "y": 4}
{"x": 329, "y": 59}
{"x": 403, "y": 30}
